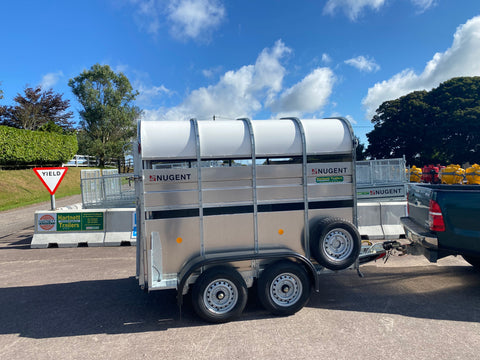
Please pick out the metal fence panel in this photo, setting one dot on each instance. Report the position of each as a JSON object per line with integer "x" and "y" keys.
{"x": 110, "y": 190}
{"x": 381, "y": 172}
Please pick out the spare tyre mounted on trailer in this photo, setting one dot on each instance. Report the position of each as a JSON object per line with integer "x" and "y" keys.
{"x": 335, "y": 243}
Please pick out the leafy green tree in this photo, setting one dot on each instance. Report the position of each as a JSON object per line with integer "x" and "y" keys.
{"x": 2, "y": 107}
{"x": 399, "y": 127}
{"x": 360, "y": 149}
{"x": 36, "y": 108}
{"x": 50, "y": 126}
{"x": 108, "y": 117}
{"x": 438, "y": 126}
{"x": 456, "y": 104}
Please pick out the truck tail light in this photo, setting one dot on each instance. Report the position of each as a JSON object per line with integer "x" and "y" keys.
{"x": 435, "y": 217}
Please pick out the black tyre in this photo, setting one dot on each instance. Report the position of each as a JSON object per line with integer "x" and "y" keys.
{"x": 219, "y": 294}
{"x": 335, "y": 243}
{"x": 473, "y": 260}
{"x": 284, "y": 288}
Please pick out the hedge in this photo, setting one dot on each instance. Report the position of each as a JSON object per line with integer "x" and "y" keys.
{"x": 25, "y": 147}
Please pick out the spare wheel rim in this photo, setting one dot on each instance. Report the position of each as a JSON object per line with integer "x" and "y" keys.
{"x": 338, "y": 244}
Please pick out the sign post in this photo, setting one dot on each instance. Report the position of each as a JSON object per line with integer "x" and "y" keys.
{"x": 51, "y": 177}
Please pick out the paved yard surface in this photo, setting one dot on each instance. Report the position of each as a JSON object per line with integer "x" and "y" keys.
{"x": 84, "y": 303}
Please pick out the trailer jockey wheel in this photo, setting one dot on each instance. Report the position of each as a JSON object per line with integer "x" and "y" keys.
{"x": 335, "y": 243}
{"x": 284, "y": 288}
{"x": 219, "y": 294}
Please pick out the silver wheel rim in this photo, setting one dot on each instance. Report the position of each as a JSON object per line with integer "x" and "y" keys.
{"x": 220, "y": 296}
{"x": 286, "y": 289}
{"x": 338, "y": 244}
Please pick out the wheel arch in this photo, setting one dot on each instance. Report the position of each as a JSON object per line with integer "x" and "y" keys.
{"x": 200, "y": 261}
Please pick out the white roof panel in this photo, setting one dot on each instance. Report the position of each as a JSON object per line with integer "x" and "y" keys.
{"x": 231, "y": 139}
{"x": 167, "y": 140}
{"x": 324, "y": 136}
{"x": 224, "y": 138}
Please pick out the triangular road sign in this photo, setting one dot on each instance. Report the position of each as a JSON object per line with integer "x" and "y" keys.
{"x": 51, "y": 177}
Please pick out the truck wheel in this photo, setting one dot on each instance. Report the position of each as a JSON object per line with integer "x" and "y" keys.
{"x": 473, "y": 260}
{"x": 284, "y": 288}
{"x": 219, "y": 294}
{"x": 335, "y": 243}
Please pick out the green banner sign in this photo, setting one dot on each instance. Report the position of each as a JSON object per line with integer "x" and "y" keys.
{"x": 90, "y": 221}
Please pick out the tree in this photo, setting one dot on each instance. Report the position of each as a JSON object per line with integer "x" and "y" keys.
{"x": 360, "y": 149}
{"x": 36, "y": 108}
{"x": 2, "y": 108}
{"x": 456, "y": 104}
{"x": 399, "y": 126}
{"x": 108, "y": 117}
{"x": 438, "y": 126}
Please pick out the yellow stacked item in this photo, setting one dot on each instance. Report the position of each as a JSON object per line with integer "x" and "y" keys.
{"x": 473, "y": 174}
{"x": 415, "y": 174}
{"x": 452, "y": 174}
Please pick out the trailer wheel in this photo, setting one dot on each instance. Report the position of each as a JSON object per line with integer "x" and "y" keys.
{"x": 335, "y": 243}
{"x": 219, "y": 294}
{"x": 472, "y": 260}
{"x": 284, "y": 288}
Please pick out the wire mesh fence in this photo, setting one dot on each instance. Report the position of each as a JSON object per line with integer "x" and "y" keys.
{"x": 381, "y": 172}
{"x": 107, "y": 189}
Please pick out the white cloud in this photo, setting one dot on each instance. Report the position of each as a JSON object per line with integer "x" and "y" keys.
{"x": 253, "y": 88}
{"x": 352, "y": 8}
{"x": 212, "y": 72}
{"x": 147, "y": 15}
{"x": 147, "y": 94}
{"x": 187, "y": 19}
{"x": 363, "y": 64}
{"x": 423, "y": 5}
{"x": 326, "y": 58}
{"x": 307, "y": 96}
{"x": 49, "y": 80}
{"x": 238, "y": 93}
{"x": 461, "y": 59}
{"x": 195, "y": 19}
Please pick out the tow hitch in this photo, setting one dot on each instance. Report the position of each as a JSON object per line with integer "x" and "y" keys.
{"x": 381, "y": 250}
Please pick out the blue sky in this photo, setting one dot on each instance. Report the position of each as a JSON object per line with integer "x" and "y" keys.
{"x": 262, "y": 59}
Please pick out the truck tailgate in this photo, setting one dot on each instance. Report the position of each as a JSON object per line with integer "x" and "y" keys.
{"x": 461, "y": 214}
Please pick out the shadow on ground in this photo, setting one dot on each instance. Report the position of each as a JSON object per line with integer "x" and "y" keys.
{"x": 119, "y": 306}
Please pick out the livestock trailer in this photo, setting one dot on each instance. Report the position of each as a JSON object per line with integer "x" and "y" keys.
{"x": 226, "y": 205}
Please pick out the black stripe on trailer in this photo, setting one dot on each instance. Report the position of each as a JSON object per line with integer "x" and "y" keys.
{"x": 248, "y": 209}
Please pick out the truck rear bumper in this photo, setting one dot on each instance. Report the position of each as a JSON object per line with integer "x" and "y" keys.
{"x": 417, "y": 234}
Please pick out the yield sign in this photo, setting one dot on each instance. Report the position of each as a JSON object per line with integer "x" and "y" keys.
{"x": 51, "y": 177}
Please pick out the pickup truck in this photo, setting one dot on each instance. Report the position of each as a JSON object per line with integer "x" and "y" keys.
{"x": 444, "y": 220}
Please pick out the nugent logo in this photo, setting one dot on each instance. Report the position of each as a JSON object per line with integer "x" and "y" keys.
{"x": 330, "y": 171}
{"x": 169, "y": 177}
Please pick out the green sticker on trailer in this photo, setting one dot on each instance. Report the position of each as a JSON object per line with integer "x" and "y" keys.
{"x": 327, "y": 179}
